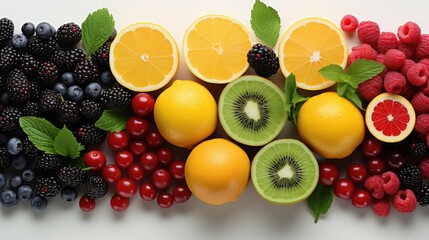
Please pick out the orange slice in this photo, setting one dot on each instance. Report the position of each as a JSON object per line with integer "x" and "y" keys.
{"x": 215, "y": 48}
{"x": 309, "y": 45}
{"x": 144, "y": 57}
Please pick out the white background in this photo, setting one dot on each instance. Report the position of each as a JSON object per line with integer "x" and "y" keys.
{"x": 250, "y": 217}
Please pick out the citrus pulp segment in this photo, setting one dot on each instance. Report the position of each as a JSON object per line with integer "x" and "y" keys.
{"x": 144, "y": 57}
{"x": 215, "y": 48}
{"x": 307, "y": 46}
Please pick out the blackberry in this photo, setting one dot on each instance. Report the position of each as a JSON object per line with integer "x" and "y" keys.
{"x": 3, "y": 86}
{"x": 6, "y": 30}
{"x": 68, "y": 113}
{"x": 9, "y": 59}
{"x": 263, "y": 59}
{"x": 35, "y": 90}
{"x": 48, "y": 74}
{"x": 47, "y": 186}
{"x": 85, "y": 72}
{"x": 29, "y": 65}
{"x": 90, "y": 110}
{"x": 101, "y": 57}
{"x": 95, "y": 187}
{"x": 89, "y": 135}
{"x": 68, "y": 34}
{"x": 417, "y": 148}
{"x": 41, "y": 48}
{"x": 31, "y": 109}
{"x": 18, "y": 89}
{"x": 9, "y": 118}
{"x": 410, "y": 177}
{"x": 4, "y": 158}
{"x": 116, "y": 97}
{"x": 67, "y": 60}
{"x": 49, "y": 101}
{"x": 72, "y": 176}
{"x": 422, "y": 194}
{"x": 28, "y": 148}
{"x": 49, "y": 163}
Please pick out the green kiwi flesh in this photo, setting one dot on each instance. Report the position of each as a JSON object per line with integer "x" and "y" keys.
{"x": 251, "y": 110}
{"x": 285, "y": 171}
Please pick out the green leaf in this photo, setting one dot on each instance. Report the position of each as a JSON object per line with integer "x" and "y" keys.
{"x": 96, "y": 29}
{"x": 66, "y": 144}
{"x": 265, "y": 22}
{"x": 342, "y": 88}
{"x": 362, "y": 70}
{"x": 353, "y": 96}
{"x": 294, "y": 100}
{"x": 320, "y": 201}
{"x": 79, "y": 162}
{"x": 40, "y": 132}
{"x": 113, "y": 120}
{"x": 333, "y": 72}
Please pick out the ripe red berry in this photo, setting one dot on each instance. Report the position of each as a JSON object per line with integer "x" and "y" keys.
{"x": 349, "y": 23}
{"x": 344, "y": 188}
{"x": 161, "y": 178}
{"x": 126, "y": 187}
{"x": 142, "y": 104}
{"x": 137, "y": 127}
{"x": 181, "y": 193}
{"x": 124, "y": 159}
{"x": 356, "y": 172}
{"x": 165, "y": 155}
{"x": 371, "y": 147}
{"x": 375, "y": 166}
{"x": 137, "y": 147}
{"x": 111, "y": 173}
{"x": 117, "y": 140}
{"x": 409, "y": 32}
{"x": 95, "y": 159}
{"x": 149, "y": 161}
{"x": 147, "y": 191}
{"x": 119, "y": 203}
{"x": 86, "y": 203}
{"x": 177, "y": 170}
{"x": 361, "y": 199}
{"x": 328, "y": 174}
{"x": 165, "y": 200}
{"x": 154, "y": 139}
{"x": 135, "y": 172}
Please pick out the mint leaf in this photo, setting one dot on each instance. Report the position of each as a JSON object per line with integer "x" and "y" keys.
{"x": 342, "y": 88}
{"x": 40, "y": 132}
{"x": 96, "y": 29}
{"x": 333, "y": 72}
{"x": 66, "y": 144}
{"x": 362, "y": 70}
{"x": 320, "y": 201}
{"x": 353, "y": 96}
{"x": 294, "y": 100}
{"x": 113, "y": 120}
{"x": 265, "y": 22}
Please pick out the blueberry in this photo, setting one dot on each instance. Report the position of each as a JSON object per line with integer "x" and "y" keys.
{"x": 18, "y": 162}
{"x": 28, "y": 175}
{"x": 107, "y": 78}
{"x": 68, "y": 79}
{"x": 75, "y": 93}
{"x": 2, "y": 180}
{"x": 69, "y": 194}
{"x": 15, "y": 181}
{"x": 14, "y": 146}
{"x": 93, "y": 90}
{"x": 113, "y": 35}
{"x": 4, "y": 99}
{"x": 28, "y": 29}
{"x": 8, "y": 198}
{"x": 38, "y": 203}
{"x": 25, "y": 192}
{"x": 3, "y": 138}
{"x": 60, "y": 88}
{"x": 19, "y": 41}
{"x": 45, "y": 30}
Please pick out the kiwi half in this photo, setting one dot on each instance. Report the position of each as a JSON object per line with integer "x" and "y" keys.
{"x": 251, "y": 110}
{"x": 285, "y": 171}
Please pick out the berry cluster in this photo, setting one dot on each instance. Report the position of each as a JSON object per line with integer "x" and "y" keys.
{"x": 263, "y": 60}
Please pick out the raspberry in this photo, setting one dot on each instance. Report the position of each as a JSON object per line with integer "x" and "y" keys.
{"x": 391, "y": 183}
{"x": 368, "y": 32}
{"x": 381, "y": 58}
{"x": 364, "y": 51}
{"x": 422, "y": 46}
{"x": 425, "y": 61}
{"x": 371, "y": 88}
{"x": 418, "y": 74}
{"x": 374, "y": 184}
{"x": 394, "y": 59}
{"x": 409, "y": 32}
{"x": 405, "y": 201}
{"x": 381, "y": 208}
{"x": 407, "y": 49}
{"x": 407, "y": 64}
{"x": 349, "y": 23}
{"x": 394, "y": 82}
{"x": 422, "y": 124}
{"x": 424, "y": 167}
{"x": 420, "y": 103}
{"x": 386, "y": 41}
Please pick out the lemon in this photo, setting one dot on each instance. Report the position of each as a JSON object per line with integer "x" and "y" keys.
{"x": 217, "y": 171}
{"x": 185, "y": 113}
{"x": 330, "y": 125}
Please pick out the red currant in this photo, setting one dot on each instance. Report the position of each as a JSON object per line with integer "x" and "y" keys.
{"x": 147, "y": 191}
{"x": 119, "y": 203}
{"x": 124, "y": 159}
{"x": 395, "y": 161}
{"x": 361, "y": 199}
{"x": 117, "y": 140}
{"x": 344, "y": 188}
{"x": 137, "y": 127}
{"x": 95, "y": 159}
{"x": 371, "y": 147}
{"x": 111, "y": 173}
{"x": 126, "y": 187}
{"x": 181, "y": 193}
{"x": 149, "y": 161}
{"x": 161, "y": 178}
{"x": 137, "y": 147}
{"x": 136, "y": 172}
{"x": 356, "y": 172}
{"x": 375, "y": 166}
{"x": 177, "y": 170}
{"x": 154, "y": 139}
{"x": 86, "y": 203}
{"x": 142, "y": 104}
{"x": 165, "y": 200}
{"x": 165, "y": 155}
{"x": 328, "y": 174}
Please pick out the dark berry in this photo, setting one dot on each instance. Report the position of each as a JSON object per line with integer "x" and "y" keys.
{"x": 68, "y": 34}
{"x": 263, "y": 59}
{"x": 41, "y": 48}
{"x": 116, "y": 97}
{"x": 6, "y": 30}
{"x": 29, "y": 65}
{"x": 101, "y": 57}
{"x": 90, "y": 110}
{"x": 18, "y": 89}
{"x": 88, "y": 134}
{"x": 72, "y": 176}
{"x": 67, "y": 78}
{"x": 28, "y": 29}
{"x": 9, "y": 118}
{"x": 422, "y": 194}
{"x": 19, "y": 41}
{"x": 25, "y": 192}
{"x": 8, "y": 198}
{"x": 14, "y": 146}
{"x": 38, "y": 203}
{"x": 47, "y": 186}
{"x": 49, "y": 163}
{"x": 85, "y": 72}
{"x": 45, "y": 30}
{"x": 28, "y": 175}
{"x": 4, "y": 158}
{"x": 69, "y": 194}
{"x": 15, "y": 181}
{"x": 3, "y": 180}
{"x": 48, "y": 74}
{"x": 410, "y": 177}
{"x": 9, "y": 59}
{"x": 95, "y": 187}
{"x": 18, "y": 162}
{"x": 107, "y": 78}
{"x": 417, "y": 148}
{"x": 75, "y": 93}
{"x": 49, "y": 101}
{"x": 93, "y": 90}
{"x": 68, "y": 113}
{"x": 60, "y": 88}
